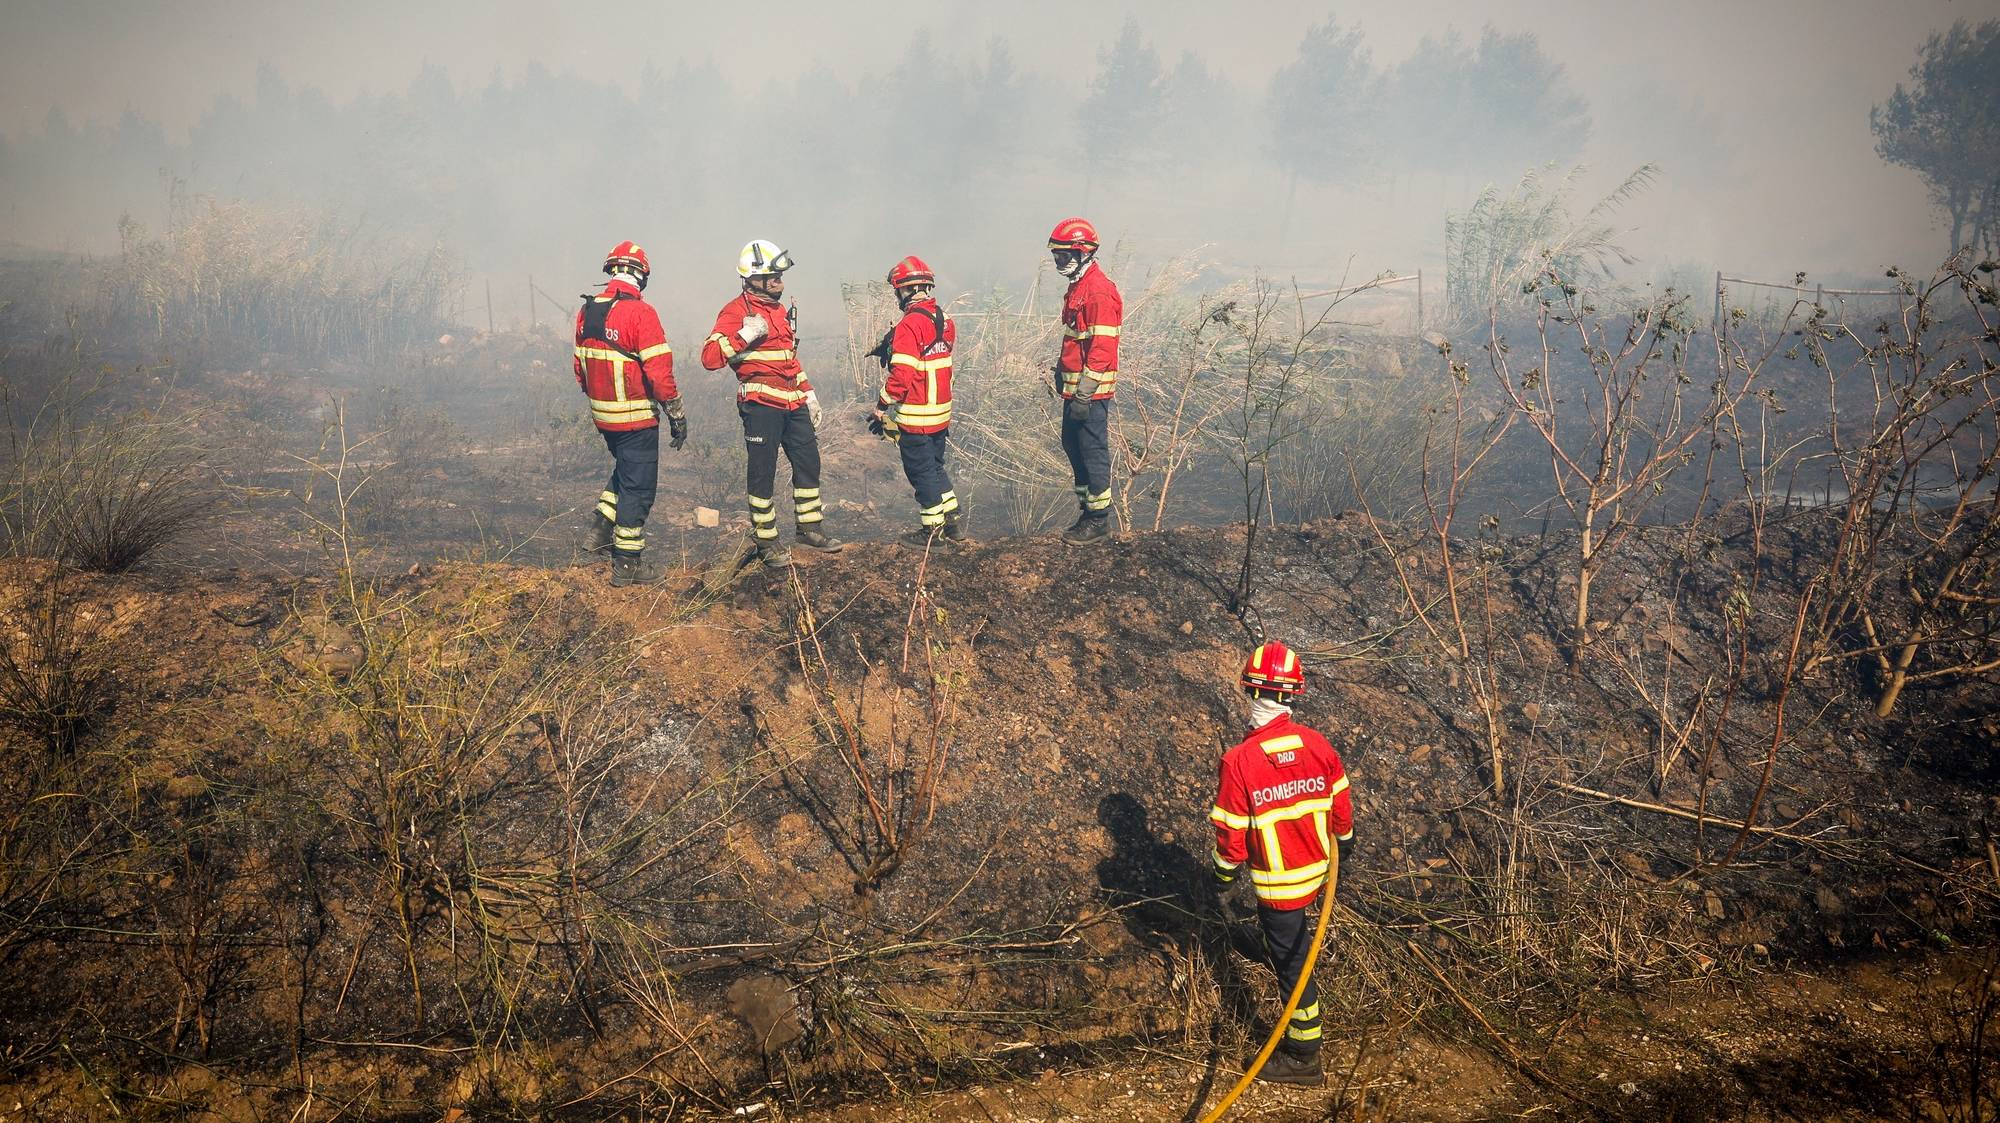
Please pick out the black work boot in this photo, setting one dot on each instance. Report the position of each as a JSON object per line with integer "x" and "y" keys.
{"x": 954, "y": 529}
{"x": 1087, "y": 529}
{"x": 599, "y": 541}
{"x": 774, "y": 556}
{"x": 813, "y": 538}
{"x": 632, "y": 568}
{"x": 919, "y": 536}
{"x": 1287, "y": 1067}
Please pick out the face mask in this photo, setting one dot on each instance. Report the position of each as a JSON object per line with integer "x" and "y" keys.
{"x": 1069, "y": 262}
{"x": 1264, "y": 711}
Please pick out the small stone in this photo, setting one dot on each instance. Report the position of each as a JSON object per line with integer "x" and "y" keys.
{"x": 1712, "y": 901}
{"x": 1629, "y": 1088}
{"x": 1187, "y": 627}
{"x": 1402, "y": 688}
{"x": 1532, "y": 711}
{"x": 707, "y": 516}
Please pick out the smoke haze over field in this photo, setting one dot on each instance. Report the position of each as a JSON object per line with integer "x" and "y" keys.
{"x": 530, "y": 136}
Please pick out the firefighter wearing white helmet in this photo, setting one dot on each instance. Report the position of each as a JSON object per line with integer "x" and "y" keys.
{"x": 755, "y": 337}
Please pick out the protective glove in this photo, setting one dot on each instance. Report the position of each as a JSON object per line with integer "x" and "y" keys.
{"x": 677, "y": 422}
{"x": 1055, "y": 384}
{"x": 812, "y": 408}
{"x": 1079, "y": 402}
{"x": 1223, "y": 876}
{"x": 880, "y": 425}
{"x": 883, "y": 349}
{"x": 754, "y": 328}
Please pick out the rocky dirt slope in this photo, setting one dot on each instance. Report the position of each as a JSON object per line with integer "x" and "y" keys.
{"x": 901, "y": 823}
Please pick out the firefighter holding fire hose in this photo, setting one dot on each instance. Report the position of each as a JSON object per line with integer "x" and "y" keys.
{"x": 1282, "y": 808}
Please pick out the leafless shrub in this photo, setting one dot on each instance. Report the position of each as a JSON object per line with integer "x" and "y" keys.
{"x": 894, "y": 750}
{"x": 127, "y": 490}
{"x": 58, "y": 673}
{"x": 1618, "y": 432}
{"x": 61, "y": 845}
{"x": 1912, "y": 585}
{"x": 1960, "y": 1026}
{"x": 96, "y": 488}
{"x": 1275, "y": 358}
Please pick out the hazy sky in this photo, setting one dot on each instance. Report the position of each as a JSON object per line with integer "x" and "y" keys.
{"x": 1789, "y": 82}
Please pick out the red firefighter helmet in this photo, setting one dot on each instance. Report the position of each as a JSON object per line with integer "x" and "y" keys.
{"x": 910, "y": 272}
{"x": 1073, "y": 234}
{"x": 629, "y": 255}
{"x": 1274, "y": 667}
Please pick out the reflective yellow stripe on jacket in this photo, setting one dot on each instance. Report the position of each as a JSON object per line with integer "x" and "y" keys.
{"x": 1086, "y": 333}
{"x": 622, "y": 409}
{"x": 1105, "y": 380}
{"x": 932, "y": 411}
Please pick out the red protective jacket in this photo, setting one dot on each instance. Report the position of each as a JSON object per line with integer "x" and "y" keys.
{"x": 768, "y": 370}
{"x": 1281, "y": 799}
{"x": 627, "y": 366}
{"x": 919, "y": 386}
{"x": 1092, "y": 314}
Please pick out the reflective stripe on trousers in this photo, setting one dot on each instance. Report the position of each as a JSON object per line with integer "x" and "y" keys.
{"x": 635, "y": 473}
{"x": 923, "y": 465}
{"x": 1287, "y": 939}
{"x": 768, "y": 429}
{"x": 1087, "y": 444}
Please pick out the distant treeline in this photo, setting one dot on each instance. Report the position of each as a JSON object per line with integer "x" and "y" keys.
{"x": 948, "y": 149}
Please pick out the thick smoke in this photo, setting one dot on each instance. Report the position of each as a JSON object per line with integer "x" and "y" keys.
{"x": 1293, "y": 139}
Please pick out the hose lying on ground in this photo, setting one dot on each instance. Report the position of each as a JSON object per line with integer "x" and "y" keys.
{"x": 1298, "y": 990}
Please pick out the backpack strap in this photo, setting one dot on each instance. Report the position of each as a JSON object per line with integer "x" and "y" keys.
{"x": 596, "y": 310}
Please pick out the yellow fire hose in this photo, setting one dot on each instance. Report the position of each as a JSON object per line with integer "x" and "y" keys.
{"x": 1298, "y": 991}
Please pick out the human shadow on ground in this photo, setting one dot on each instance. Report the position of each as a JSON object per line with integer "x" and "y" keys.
{"x": 1172, "y": 906}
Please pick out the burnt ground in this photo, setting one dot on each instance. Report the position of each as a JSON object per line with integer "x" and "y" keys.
{"x": 676, "y": 855}
{"x": 1043, "y": 930}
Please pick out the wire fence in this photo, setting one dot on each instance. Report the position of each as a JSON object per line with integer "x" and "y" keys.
{"x": 1372, "y": 304}
{"x": 1774, "y": 307}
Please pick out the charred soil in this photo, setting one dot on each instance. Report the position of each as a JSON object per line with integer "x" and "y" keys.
{"x": 930, "y": 830}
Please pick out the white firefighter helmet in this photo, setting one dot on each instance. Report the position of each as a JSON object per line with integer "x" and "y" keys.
{"x": 762, "y": 258}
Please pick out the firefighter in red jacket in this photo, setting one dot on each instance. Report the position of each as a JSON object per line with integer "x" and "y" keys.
{"x": 754, "y": 336}
{"x": 914, "y": 408}
{"x": 1086, "y": 373}
{"x": 624, "y": 366}
{"x": 1282, "y": 807}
